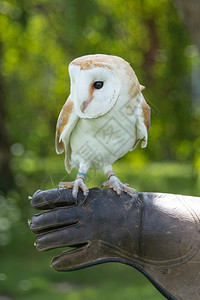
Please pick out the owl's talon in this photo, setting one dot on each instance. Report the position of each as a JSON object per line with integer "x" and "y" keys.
{"x": 58, "y": 188}
{"x": 86, "y": 193}
{"x": 85, "y": 198}
{"x": 132, "y": 194}
{"x": 74, "y": 194}
{"x": 63, "y": 185}
{"x": 75, "y": 186}
{"x": 105, "y": 184}
{"x": 118, "y": 186}
{"x": 119, "y": 192}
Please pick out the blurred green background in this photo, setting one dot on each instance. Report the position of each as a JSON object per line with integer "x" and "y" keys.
{"x": 38, "y": 39}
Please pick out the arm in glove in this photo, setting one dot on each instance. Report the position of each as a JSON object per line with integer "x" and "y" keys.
{"x": 158, "y": 234}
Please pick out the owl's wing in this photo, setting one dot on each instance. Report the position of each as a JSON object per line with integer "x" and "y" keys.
{"x": 143, "y": 124}
{"x": 65, "y": 124}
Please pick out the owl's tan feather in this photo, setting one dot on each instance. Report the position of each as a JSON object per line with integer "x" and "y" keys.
{"x": 93, "y": 61}
{"x": 146, "y": 113}
{"x": 61, "y": 123}
{"x": 66, "y": 122}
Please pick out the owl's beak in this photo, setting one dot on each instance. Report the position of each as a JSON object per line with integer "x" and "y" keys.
{"x": 85, "y": 104}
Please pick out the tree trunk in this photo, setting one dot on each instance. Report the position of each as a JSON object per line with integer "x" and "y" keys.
{"x": 190, "y": 11}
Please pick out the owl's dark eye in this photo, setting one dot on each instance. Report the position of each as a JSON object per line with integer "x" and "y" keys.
{"x": 98, "y": 84}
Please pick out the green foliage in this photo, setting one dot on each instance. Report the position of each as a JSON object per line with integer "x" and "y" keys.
{"x": 39, "y": 39}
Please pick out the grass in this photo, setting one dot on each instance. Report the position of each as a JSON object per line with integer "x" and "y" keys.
{"x": 26, "y": 273}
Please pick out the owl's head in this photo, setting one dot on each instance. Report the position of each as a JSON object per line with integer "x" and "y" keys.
{"x": 97, "y": 82}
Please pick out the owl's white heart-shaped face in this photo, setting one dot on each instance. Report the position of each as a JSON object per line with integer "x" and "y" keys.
{"x": 94, "y": 90}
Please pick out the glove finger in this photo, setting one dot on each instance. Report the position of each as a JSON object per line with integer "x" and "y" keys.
{"x": 53, "y": 198}
{"x": 82, "y": 256}
{"x": 55, "y": 218}
{"x": 63, "y": 237}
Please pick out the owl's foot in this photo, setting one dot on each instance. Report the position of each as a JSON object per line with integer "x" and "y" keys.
{"x": 75, "y": 185}
{"x": 119, "y": 187}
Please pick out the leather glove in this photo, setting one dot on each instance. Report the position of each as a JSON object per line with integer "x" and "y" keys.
{"x": 158, "y": 234}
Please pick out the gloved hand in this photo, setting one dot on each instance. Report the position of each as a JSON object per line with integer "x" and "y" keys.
{"x": 158, "y": 234}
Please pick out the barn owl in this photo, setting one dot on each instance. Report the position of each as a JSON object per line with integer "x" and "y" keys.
{"x": 104, "y": 117}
